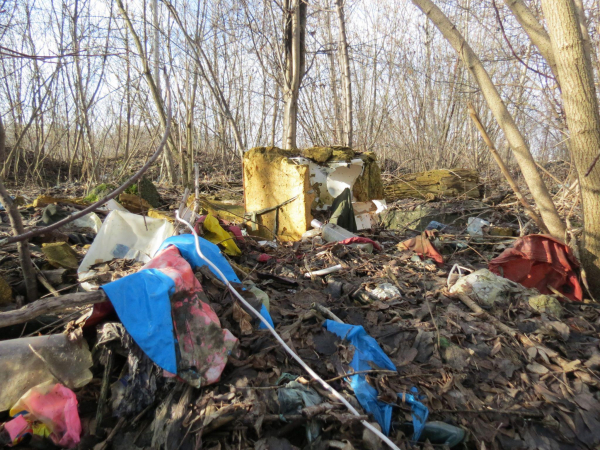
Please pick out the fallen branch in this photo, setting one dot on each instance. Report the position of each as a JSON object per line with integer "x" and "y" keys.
{"x": 113, "y": 194}
{"x": 50, "y": 305}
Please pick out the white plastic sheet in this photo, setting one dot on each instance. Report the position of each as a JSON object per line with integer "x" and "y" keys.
{"x": 90, "y": 220}
{"x": 124, "y": 235}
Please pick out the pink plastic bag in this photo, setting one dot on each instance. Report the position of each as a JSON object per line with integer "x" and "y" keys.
{"x": 55, "y": 406}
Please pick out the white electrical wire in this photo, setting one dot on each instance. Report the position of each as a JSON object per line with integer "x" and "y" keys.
{"x": 311, "y": 372}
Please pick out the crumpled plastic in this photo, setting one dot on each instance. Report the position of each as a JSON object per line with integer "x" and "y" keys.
{"x": 422, "y": 246}
{"x": 293, "y": 397}
{"x": 164, "y": 309}
{"x": 487, "y": 288}
{"x": 48, "y": 410}
{"x": 367, "y": 355}
{"x": 537, "y": 261}
{"x": 216, "y": 234}
{"x": 419, "y": 412}
{"x": 361, "y": 240}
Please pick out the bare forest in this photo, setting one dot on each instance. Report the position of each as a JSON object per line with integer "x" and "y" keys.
{"x": 457, "y": 113}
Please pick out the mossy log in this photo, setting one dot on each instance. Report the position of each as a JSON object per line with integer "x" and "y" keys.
{"x": 435, "y": 183}
{"x": 369, "y": 185}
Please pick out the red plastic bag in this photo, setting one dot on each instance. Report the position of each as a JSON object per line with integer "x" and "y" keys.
{"x": 537, "y": 261}
{"x": 361, "y": 240}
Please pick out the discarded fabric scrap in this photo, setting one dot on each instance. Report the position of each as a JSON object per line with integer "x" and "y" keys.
{"x": 538, "y": 261}
{"x": 187, "y": 247}
{"x": 422, "y": 246}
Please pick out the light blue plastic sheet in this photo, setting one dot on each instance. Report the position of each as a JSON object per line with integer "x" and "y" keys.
{"x": 142, "y": 302}
{"x": 367, "y": 354}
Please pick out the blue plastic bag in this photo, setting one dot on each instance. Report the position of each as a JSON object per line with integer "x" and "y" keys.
{"x": 367, "y": 354}
{"x": 419, "y": 412}
{"x": 142, "y": 302}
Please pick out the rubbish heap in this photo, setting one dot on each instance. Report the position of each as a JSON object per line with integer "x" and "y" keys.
{"x": 451, "y": 329}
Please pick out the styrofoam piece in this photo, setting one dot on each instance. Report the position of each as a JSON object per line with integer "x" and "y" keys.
{"x": 124, "y": 235}
{"x": 364, "y": 212}
{"x": 90, "y": 220}
{"x": 334, "y": 176}
{"x": 381, "y": 206}
{"x": 363, "y": 221}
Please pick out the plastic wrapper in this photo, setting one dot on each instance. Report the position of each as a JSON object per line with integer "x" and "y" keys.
{"x": 28, "y": 362}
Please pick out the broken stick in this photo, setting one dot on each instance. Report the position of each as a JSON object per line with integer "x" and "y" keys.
{"x": 50, "y": 305}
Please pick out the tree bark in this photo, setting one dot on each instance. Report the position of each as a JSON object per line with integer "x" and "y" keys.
{"x": 514, "y": 137}
{"x": 583, "y": 119}
{"x": 295, "y": 53}
{"x": 51, "y": 305}
{"x": 345, "y": 57}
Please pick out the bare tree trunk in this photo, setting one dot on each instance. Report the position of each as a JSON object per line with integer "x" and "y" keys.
{"x": 338, "y": 123}
{"x": 535, "y": 30}
{"x": 155, "y": 44}
{"x": 208, "y": 73}
{"x": 583, "y": 119}
{"x": 16, "y": 223}
{"x": 585, "y": 34}
{"x": 509, "y": 179}
{"x": 345, "y": 57}
{"x": 275, "y": 114}
{"x": 153, "y": 88}
{"x": 514, "y": 137}
{"x": 295, "y": 53}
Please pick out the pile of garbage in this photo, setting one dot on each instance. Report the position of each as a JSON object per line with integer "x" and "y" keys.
{"x": 154, "y": 336}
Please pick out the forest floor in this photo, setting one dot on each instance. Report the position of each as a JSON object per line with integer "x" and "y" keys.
{"x": 510, "y": 376}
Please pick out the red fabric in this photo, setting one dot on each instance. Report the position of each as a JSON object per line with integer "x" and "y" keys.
{"x": 537, "y": 261}
{"x": 422, "y": 246}
{"x": 263, "y": 257}
{"x": 361, "y": 240}
{"x": 99, "y": 313}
